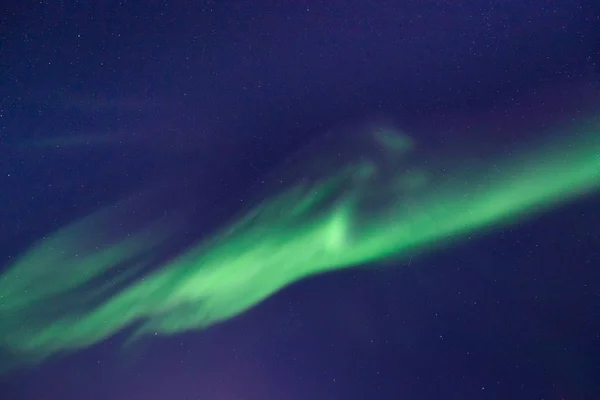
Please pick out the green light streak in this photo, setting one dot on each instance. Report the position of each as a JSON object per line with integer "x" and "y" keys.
{"x": 366, "y": 200}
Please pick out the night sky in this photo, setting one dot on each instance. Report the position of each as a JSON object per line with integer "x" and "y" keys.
{"x": 100, "y": 98}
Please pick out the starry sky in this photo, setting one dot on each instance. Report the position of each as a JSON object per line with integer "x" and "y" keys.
{"x": 99, "y": 97}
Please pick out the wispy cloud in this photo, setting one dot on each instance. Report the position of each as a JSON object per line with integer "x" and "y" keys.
{"x": 91, "y": 102}
{"x": 102, "y": 103}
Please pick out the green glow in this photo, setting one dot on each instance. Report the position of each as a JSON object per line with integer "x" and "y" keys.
{"x": 354, "y": 200}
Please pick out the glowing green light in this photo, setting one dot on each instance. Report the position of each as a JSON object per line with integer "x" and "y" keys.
{"x": 361, "y": 202}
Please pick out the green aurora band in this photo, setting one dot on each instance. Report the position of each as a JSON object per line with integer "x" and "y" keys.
{"x": 344, "y": 202}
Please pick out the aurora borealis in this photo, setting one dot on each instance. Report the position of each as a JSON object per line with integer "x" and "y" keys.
{"x": 350, "y": 199}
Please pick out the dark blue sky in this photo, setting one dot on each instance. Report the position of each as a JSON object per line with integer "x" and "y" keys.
{"x": 213, "y": 94}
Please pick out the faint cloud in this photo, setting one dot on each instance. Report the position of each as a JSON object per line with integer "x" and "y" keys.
{"x": 73, "y": 140}
{"x": 99, "y": 103}
{"x": 92, "y": 102}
